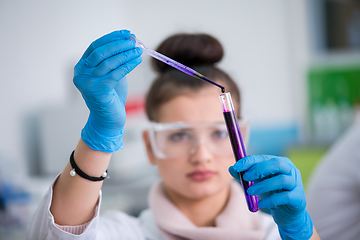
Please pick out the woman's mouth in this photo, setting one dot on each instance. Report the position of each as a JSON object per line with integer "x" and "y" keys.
{"x": 201, "y": 175}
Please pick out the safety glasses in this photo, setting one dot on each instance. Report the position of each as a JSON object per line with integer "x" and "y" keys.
{"x": 180, "y": 140}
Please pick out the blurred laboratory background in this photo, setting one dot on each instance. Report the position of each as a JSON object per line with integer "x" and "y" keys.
{"x": 297, "y": 63}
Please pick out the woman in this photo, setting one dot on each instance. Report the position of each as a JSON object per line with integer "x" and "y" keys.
{"x": 197, "y": 197}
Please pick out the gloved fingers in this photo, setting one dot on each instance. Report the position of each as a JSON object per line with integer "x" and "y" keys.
{"x": 249, "y": 161}
{"x": 124, "y": 69}
{"x": 274, "y": 200}
{"x": 294, "y": 200}
{"x": 276, "y": 183}
{"x": 131, "y": 34}
{"x": 116, "y": 61}
{"x": 107, "y": 51}
{"x": 233, "y": 173}
{"x": 264, "y": 195}
{"x": 273, "y": 166}
{"x": 113, "y": 36}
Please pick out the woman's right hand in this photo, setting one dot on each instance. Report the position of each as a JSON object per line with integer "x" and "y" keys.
{"x": 100, "y": 76}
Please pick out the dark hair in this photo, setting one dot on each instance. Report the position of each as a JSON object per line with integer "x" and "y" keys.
{"x": 198, "y": 51}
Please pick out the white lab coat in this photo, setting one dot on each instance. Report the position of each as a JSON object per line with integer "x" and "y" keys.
{"x": 112, "y": 225}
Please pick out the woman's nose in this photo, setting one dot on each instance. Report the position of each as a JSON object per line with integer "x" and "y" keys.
{"x": 200, "y": 154}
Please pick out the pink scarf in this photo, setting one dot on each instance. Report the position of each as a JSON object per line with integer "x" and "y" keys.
{"x": 235, "y": 222}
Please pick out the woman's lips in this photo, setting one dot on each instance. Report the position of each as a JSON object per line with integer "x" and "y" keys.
{"x": 201, "y": 175}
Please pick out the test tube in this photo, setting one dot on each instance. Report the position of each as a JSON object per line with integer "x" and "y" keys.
{"x": 237, "y": 145}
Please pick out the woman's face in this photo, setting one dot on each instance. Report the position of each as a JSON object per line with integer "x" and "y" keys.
{"x": 199, "y": 174}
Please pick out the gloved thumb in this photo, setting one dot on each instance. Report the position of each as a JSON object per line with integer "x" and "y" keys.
{"x": 233, "y": 173}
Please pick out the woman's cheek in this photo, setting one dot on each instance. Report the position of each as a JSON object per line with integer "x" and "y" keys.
{"x": 169, "y": 170}
{"x": 224, "y": 166}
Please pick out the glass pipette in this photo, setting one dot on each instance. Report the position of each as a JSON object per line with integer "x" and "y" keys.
{"x": 174, "y": 63}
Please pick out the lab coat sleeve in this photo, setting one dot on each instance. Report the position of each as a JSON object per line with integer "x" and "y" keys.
{"x": 43, "y": 227}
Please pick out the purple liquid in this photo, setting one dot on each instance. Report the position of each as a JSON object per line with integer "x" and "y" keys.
{"x": 239, "y": 152}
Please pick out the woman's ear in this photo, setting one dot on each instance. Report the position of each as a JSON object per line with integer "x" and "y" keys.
{"x": 149, "y": 151}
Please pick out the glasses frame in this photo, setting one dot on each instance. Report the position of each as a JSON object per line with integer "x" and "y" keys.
{"x": 154, "y": 127}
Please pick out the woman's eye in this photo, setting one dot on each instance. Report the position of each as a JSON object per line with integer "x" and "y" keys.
{"x": 179, "y": 136}
{"x": 219, "y": 134}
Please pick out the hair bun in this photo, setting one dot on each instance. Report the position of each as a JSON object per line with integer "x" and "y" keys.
{"x": 190, "y": 50}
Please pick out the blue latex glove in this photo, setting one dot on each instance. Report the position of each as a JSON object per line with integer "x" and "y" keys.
{"x": 100, "y": 77}
{"x": 278, "y": 184}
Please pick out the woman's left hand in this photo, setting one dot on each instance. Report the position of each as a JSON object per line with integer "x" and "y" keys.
{"x": 278, "y": 184}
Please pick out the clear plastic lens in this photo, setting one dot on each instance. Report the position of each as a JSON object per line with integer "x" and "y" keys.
{"x": 180, "y": 140}
{"x": 219, "y": 135}
{"x": 180, "y": 136}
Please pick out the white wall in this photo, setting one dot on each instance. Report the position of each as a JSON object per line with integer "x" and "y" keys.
{"x": 41, "y": 41}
